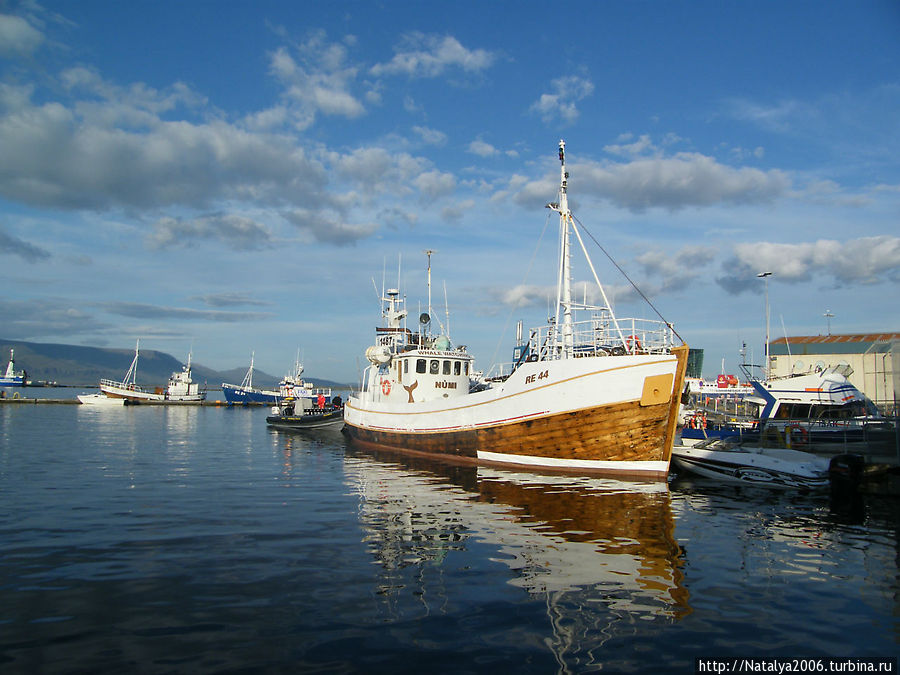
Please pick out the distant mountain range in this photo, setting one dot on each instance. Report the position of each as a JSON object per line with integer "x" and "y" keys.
{"x": 84, "y": 366}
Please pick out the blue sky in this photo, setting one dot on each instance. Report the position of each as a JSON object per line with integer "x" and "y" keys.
{"x": 233, "y": 176}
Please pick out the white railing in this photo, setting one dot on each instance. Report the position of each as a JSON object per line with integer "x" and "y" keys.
{"x": 600, "y": 336}
{"x": 597, "y": 336}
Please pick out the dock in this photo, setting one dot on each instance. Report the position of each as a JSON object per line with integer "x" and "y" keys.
{"x": 70, "y": 401}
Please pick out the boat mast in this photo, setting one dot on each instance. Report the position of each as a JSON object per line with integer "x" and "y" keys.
{"x": 428, "y": 252}
{"x": 132, "y": 371}
{"x": 564, "y": 279}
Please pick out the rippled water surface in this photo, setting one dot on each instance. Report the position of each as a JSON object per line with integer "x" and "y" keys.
{"x": 194, "y": 540}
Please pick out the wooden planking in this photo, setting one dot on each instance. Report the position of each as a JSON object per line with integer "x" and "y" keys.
{"x": 681, "y": 353}
{"x": 621, "y": 432}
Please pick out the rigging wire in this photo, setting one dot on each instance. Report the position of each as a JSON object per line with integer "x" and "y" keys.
{"x": 624, "y": 274}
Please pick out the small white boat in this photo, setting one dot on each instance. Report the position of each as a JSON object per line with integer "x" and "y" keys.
{"x": 101, "y": 400}
{"x": 723, "y": 459}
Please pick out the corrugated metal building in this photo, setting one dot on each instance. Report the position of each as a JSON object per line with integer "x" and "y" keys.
{"x": 874, "y": 358}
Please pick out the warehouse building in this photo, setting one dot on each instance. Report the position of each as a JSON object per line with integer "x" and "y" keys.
{"x": 872, "y": 358}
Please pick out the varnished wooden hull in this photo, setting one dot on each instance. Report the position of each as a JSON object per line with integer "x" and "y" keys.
{"x": 626, "y": 437}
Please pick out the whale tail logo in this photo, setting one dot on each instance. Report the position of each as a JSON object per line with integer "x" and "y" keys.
{"x": 409, "y": 390}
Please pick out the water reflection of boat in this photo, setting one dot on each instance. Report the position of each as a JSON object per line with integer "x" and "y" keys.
{"x": 599, "y": 551}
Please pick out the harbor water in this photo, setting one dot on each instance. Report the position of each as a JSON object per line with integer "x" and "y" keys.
{"x": 159, "y": 539}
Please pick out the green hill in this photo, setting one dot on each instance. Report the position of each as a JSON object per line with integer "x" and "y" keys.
{"x": 73, "y": 365}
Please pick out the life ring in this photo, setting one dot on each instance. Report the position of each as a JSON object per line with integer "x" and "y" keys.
{"x": 633, "y": 340}
{"x": 386, "y": 387}
{"x": 799, "y": 436}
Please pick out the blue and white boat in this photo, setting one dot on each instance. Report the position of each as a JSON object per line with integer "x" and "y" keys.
{"x": 245, "y": 393}
{"x": 817, "y": 409}
{"x": 12, "y": 378}
{"x": 291, "y": 388}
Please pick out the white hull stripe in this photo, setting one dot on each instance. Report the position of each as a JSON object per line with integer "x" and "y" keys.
{"x": 597, "y": 464}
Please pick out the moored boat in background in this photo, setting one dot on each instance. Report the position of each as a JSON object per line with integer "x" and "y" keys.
{"x": 728, "y": 461}
{"x": 245, "y": 393}
{"x": 12, "y": 377}
{"x": 816, "y": 410}
{"x": 180, "y": 388}
{"x": 302, "y": 405}
{"x": 287, "y": 416}
{"x": 100, "y": 400}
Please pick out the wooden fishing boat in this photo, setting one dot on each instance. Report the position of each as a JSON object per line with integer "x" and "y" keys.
{"x": 598, "y": 394}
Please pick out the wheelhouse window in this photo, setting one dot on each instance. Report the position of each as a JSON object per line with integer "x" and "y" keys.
{"x": 434, "y": 367}
{"x": 446, "y": 367}
{"x": 456, "y": 367}
{"x": 420, "y": 365}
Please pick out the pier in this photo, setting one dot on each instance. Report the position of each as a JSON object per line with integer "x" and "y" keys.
{"x": 21, "y": 400}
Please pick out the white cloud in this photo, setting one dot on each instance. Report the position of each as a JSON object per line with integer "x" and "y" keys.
{"x": 686, "y": 179}
{"x": 329, "y": 229}
{"x": 482, "y": 149}
{"x": 139, "y": 310}
{"x": 97, "y": 154}
{"x": 18, "y": 37}
{"x": 237, "y": 232}
{"x": 457, "y": 210}
{"x": 863, "y": 261}
{"x": 434, "y": 184}
{"x": 677, "y": 268}
{"x": 232, "y": 299}
{"x": 316, "y": 79}
{"x": 560, "y": 104}
{"x": 377, "y": 170}
{"x": 638, "y": 147}
{"x": 46, "y": 317}
{"x": 421, "y": 55}
{"x": 430, "y": 136}
{"x": 777, "y": 117}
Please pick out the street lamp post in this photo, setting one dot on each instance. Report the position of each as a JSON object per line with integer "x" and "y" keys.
{"x": 828, "y": 316}
{"x": 766, "y": 275}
